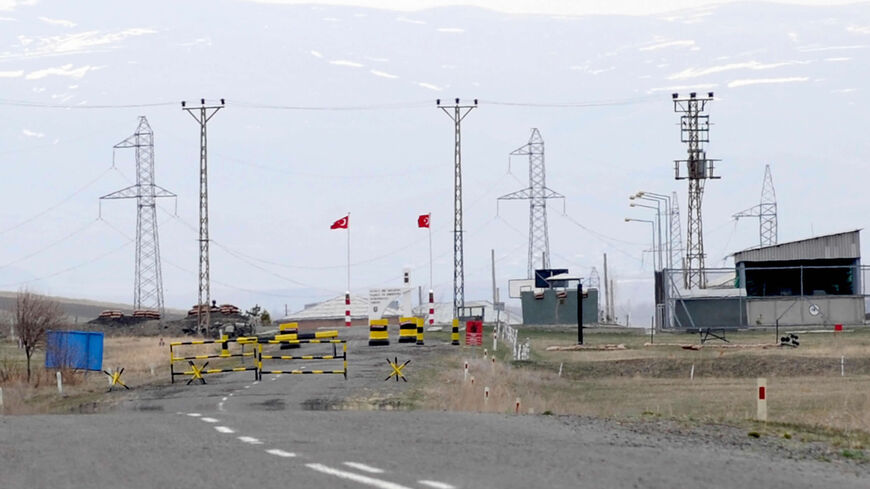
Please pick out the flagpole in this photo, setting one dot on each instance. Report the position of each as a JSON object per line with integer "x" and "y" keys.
{"x": 348, "y": 252}
{"x": 429, "y": 228}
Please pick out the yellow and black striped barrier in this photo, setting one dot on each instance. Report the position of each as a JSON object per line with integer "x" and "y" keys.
{"x": 197, "y": 372}
{"x": 335, "y": 356}
{"x": 454, "y": 333}
{"x": 407, "y": 329}
{"x": 379, "y": 334}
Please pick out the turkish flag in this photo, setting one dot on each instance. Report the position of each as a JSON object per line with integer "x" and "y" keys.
{"x": 423, "y": 221}
{"x": 341, "y": 223}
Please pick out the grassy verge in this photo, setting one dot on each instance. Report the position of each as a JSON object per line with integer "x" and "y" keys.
{"x": 808, "y": 399}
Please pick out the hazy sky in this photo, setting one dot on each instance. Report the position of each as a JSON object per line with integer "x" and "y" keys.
{"x": 550, "y": 7}
{"x": 331, "y": 109}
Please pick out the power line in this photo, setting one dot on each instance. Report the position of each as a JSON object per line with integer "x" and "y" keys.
{"x": 71, "y": 268}
{"x": 49, "y": 245}
{"x": 41, "y": 105}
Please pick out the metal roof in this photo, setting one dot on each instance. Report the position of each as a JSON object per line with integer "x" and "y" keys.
{"x": 831, "y": 246}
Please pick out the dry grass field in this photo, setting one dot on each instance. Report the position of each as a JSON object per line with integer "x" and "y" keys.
{"x": 805, "y": 385}
{"x": 143, "y": 359}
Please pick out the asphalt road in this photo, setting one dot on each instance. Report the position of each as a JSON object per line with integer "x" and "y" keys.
{"x": 235, "y": 432}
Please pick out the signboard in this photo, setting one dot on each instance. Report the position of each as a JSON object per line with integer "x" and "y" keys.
{"x": 379, "y": 299}
{"x": 74, "y": 349}
{"x": 474, "y": 333}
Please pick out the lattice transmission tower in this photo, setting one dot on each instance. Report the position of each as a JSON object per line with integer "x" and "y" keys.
{"x": 148, "y": 281}
{"x": 457, "y": 113}
{"x": 202, "y": 115}
{"x": 765, "y": 211}
{"x": 694, "y": 131}
{"x": 537, "y": 194}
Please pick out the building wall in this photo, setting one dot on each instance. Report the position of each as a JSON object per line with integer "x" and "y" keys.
{"x": 796, "y": 310}
{"x": 710, "y": 312}
{"x": 552, "y": 310}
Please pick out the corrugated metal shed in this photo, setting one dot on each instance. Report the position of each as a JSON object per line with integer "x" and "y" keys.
{"x": 832, "y": 246}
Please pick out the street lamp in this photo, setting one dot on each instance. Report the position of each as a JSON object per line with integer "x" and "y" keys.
{"x": 652, "y": 196}
{"x": 659, "y": 224}
{"x": 652, "y": 226}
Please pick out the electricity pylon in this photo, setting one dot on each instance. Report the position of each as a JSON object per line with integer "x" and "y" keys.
{"x": 765, "y": 211}
{"x": 456, "y": 113}
{"x": 537, "y": 194}
{"x": 694, "y": 131}
{"x": 202, "y": 115}
{"x": 148, "y": 281}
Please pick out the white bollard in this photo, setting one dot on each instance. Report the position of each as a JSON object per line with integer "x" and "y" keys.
{"x": 472, "y": 380}
{"x": 517, "y": 408}
{"x": 486, "y": 395}
{"x": 59, "y": 383}
{"x": 466, "y": 371}
{"x": 842, "y": 366}
{"x": 692, "y": 373}
{"x": 761, "y": 414}
{"x": 1, "y": 399}
{"x": 485, "y": 353}
{"x": 560, "y": 368}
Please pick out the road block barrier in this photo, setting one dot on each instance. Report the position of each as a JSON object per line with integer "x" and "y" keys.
{"x": 407, "y": 330}
{"x": 335, "y": 356}
{"x": 196, "y": 372}
{"x": 454, "y": 333}
{"x": 379, "y": 334}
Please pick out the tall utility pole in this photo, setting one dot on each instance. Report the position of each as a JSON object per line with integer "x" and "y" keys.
{"x": 148, "y": 281}
{"x": 676, "y": 235}
{"x": 694, "y": 131}
{"x": 456, "y": 113}
{"x": 202, "y": 115}
{"x": 765, "y": 211}
{"x": 537, "y": 194}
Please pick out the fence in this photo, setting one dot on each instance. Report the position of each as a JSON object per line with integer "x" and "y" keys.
{"x": 196, "y": 372}
{"x": 318, "y": 357}
{"x": 508, "y": 334}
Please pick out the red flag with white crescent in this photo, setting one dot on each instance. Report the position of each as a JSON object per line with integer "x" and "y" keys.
{"x": 423, "y": 221}
{"x": 341, "y": 223}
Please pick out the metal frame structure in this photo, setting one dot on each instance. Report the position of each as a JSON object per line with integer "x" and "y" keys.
{"x": 202, "y": 115}
{"x": 148, "y": 280}
{"x": 694, "y": 131}
{"x": 457, "y": 113}
{"x": 537, "y": 194}
{"x": 765, "y": 211}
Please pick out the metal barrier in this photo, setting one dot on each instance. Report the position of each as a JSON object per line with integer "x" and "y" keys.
{"x": 334, "y": 356}
{"x": 196, "y": 372}
{"x": 454, "y": 333}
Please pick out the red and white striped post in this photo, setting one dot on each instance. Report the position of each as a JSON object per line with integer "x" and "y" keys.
{"x": 431, "y": 308}
{"x": 347, "y": 309}
{"x": 761, "y": 414}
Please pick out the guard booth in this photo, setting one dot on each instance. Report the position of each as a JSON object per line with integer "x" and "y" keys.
{"x": 470, "y": 313}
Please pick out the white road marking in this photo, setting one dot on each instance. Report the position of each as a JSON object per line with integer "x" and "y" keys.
{"x": 231, "y": 393}
{"x": 194, "y": 415}
{"x": 223, "y": 399}
{"x": 280, "y": 453}
{"x": 364, "y": 467}
{"x": 247, "y": 387}
{"x": 250, "y": 439}
{"x": 224, "y": 429}
{"x": 255, "y": 382}
{"x": 221, "y": 406}
{"x": 436, "y": 484}
{"x": 209, "y": 420}
{"x": 362, "y": 479}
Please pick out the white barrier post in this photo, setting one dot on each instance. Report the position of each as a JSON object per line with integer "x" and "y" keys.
{"x": 692, "y": 373}
{"x": 466, "y": 371}
{"x": 59, "y": 383}
{"x": 485, "y": 353}
{"x": 560, "y": 368}
{"x": 1, "y": 399}
{"x": 517, "y": 409}
{"x": 842, "y": 366}
{"x": 761, "y": 415}
{"x": 485, "y": 396}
